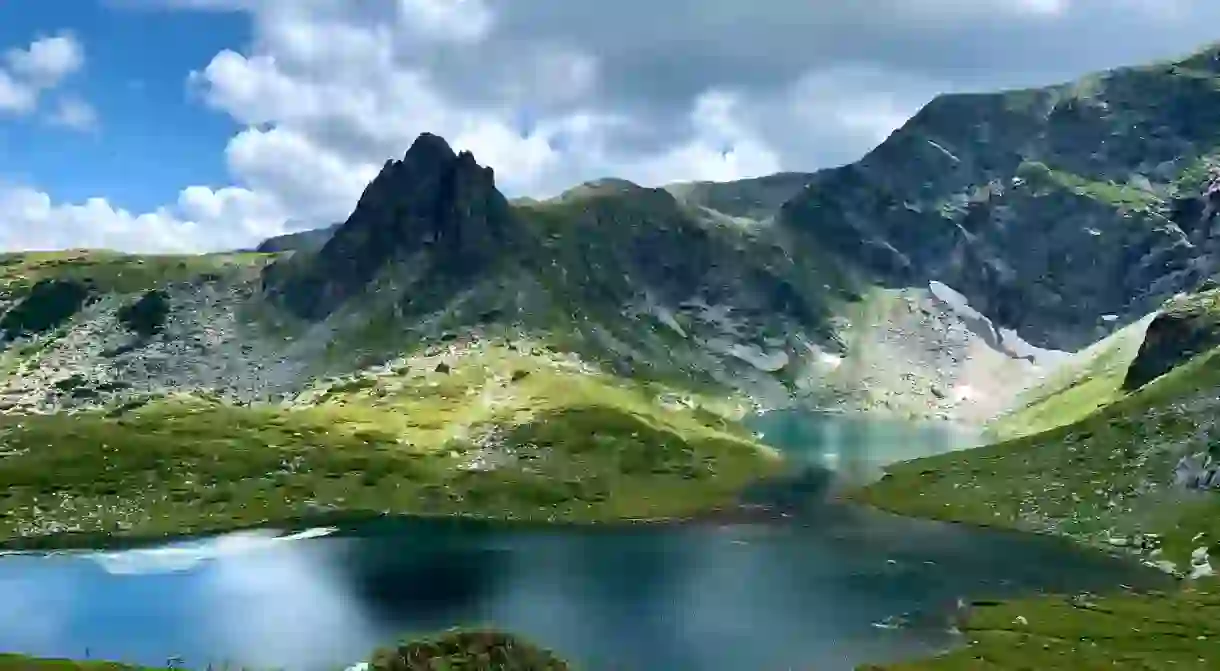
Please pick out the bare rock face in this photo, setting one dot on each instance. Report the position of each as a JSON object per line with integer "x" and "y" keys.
{"x": 1187, "y": 326}
{"x": 1047, "y": 208}
{"x": 49, "y": 304}
{"x": 434, "y": 208}
{"x": 1197, "y": 471}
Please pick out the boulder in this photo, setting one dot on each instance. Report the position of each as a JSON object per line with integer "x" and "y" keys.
{"x": 1185, "y": 327}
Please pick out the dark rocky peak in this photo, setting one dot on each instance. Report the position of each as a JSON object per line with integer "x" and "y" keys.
{"x": 433, "y": 207}
{"x": 429, "y": 149}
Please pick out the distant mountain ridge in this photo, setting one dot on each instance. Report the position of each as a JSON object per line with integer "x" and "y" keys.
{"x": 1048, "y": 208}
{"x": 1060, "y": 214}
{"x": 304, "y": 240}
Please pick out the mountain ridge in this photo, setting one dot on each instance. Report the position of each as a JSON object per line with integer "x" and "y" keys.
{"x": 903, "y": 282}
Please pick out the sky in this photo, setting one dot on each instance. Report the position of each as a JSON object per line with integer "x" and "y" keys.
{"x": 200, "y": 125}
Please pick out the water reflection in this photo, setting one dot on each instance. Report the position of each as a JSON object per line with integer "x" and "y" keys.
{"x": 734, "y": 597}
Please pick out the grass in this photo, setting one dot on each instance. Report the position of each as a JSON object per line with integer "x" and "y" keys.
{"x": 119, "y": 273}
{"x": 465, "y": 650}
{"x": 1101, "y": 472}
{"x": 1124, "y": 197}
{"x": 567, "y": 446}
{"x": 1101, "y": 476}
{"x": 23, "y": 663}
{"x": 1091, "y": 380}
{"x": 1156, "y": 632}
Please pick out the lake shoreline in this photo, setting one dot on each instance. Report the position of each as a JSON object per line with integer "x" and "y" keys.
{"x": 745, "y": 513}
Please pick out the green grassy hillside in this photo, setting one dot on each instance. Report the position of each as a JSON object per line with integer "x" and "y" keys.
{"x": 1105, "y": 476}
{"x": 482, "y": 430}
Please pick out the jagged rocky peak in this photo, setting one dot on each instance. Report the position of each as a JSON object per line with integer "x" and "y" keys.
{"x": 434, "y": 209}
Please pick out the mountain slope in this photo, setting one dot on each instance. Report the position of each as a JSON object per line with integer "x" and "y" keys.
{"x": 1048, "y": 208}
{"x": 757, "y": 199}
{"x": 479, "y": 429}
{"x": 1139, "y": 472}
{"x": 1143, "y": 464}
{"x": 633, "y": 278}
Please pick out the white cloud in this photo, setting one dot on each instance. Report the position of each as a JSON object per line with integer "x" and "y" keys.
{"x": 15, "y": 96}
{"x": 28, "y": 73}
{"x": 47, "y": 60}
{"x": 293, "y": 169}
{"x": 456, "y": 20}
{"x": 224, "y": 218}
{"x": 75, "y": 113}
{"x": 554, "y": 92}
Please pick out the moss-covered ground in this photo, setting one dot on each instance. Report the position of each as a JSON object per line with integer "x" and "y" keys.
{"x": 467, "y": 650}
{"x": 1091, "y": 380}
{"x": 1130, "y": 632}
{"x": 117, "y": 272}
{"x": 482, "y": 430}
{"x": 23, "y": 663}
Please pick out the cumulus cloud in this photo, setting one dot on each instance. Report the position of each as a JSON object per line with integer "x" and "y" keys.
{"x": 201, "y": 217}
{"x": 26, "y": 73}
{"x": 47, "y": 60}
{"x": 553, "y": 92}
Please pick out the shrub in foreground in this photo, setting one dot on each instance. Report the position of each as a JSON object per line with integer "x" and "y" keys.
{"x": 459, "y": 650}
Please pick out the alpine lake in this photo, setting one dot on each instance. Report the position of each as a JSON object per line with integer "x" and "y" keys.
{"x": 825, "y": 586}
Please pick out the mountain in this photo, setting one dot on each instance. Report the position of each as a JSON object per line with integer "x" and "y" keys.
{"x": 968, "y": 251}
{"x": 979, "y": 249}
{"x": 757, "y": 198}
{"x": 1049, "y": 209}
{"x": 307, "y": 240}
{"x": 435, "y": 215}
{"x": 632, "y": 277}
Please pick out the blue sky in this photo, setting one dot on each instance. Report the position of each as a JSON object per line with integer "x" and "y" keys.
{"x": 293, "y": 105}
{"x": 152, "y": 137}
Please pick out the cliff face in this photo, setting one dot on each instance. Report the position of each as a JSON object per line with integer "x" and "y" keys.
{"x": 1048, "y": 208}
{"x": 434, "y": 209}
